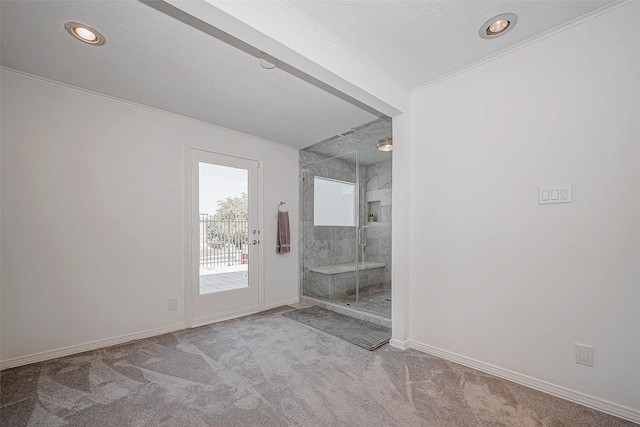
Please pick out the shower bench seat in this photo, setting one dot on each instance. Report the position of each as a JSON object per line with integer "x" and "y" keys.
{"x": 345, "y": 268}
{"x": 336, "y": 281}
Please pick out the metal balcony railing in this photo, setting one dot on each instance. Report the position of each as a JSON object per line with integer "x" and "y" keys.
{"x": 223, "y": 241}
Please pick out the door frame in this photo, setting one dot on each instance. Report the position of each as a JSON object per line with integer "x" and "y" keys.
{"x": 188, "y": 205}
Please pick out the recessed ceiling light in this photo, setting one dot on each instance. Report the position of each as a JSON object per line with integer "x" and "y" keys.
{"x": 84, "y": 33}
{"x": 385, "y": 144}
{"x": 498, "y": 25}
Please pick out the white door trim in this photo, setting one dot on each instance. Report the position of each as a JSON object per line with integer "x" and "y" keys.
{"x": 224, "y": 315}
{"x": 188, "y": 289}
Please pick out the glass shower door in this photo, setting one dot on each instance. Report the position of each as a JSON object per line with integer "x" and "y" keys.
{"x": 331, "y": 220}
{"x": 374, "y": 255}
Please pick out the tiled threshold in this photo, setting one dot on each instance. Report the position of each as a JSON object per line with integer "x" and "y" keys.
{"x": 348, "y": 311}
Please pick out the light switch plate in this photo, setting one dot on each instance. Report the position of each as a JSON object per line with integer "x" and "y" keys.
{"x": 555, "y": 194}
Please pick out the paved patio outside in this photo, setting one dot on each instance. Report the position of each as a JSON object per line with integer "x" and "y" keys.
{"x": 219, "y": 279}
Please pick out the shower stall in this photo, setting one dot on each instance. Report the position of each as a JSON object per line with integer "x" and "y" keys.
{"x": 345, "y": 233}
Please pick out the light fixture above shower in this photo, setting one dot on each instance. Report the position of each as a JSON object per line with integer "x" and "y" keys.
{"x": 84, "y": 33}
{"x": 385, "y": 144}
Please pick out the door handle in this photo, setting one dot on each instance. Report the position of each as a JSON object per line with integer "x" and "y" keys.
{"x": 364, "y": 230}
{"x": 255, "y": 242}
{"x": 362, "y": 236}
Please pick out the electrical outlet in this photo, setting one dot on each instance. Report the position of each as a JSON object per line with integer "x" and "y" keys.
{"x": 173, "y": 304}
{"x": 584, "y": 354}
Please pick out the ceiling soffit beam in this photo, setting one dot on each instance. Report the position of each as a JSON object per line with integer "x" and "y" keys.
{"x": 300, "y": 49}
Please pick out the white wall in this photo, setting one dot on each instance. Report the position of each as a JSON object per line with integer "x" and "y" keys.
{"x": 401, "y": 231}
{"x": 93, "y": 202}
{"x": 497, "y": 278}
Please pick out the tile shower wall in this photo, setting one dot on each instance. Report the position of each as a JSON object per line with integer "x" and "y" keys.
{"x": 378, "y": 199}
{"x": 328, "y": 245}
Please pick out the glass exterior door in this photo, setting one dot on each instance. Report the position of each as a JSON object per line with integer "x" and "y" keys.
{"x": 224, "y": 237}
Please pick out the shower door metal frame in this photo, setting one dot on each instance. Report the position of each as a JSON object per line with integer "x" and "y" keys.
{"x": 358, "y": 229}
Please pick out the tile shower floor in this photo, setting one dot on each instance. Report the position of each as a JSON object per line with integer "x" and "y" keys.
{"x": 376, "y": 300}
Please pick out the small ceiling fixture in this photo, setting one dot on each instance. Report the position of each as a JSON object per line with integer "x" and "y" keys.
{"x": 346, "y": 133}
{"x": 84, "y": 33}
{"x": 266, "y": 61}
{"x": 498, "y": 26}
{"x": 385, "y": 144}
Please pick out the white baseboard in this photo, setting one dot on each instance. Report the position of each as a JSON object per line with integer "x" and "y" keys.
{"x": 280, "y": 304}
{"x": 235, "y": 313}
{"x": 93, "y": 345}
{"x": 549, "y": 388}
{"x": 224, "y": 315}
{"x": 402, "y": 345}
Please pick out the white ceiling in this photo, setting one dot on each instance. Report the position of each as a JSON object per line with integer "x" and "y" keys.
{"x": 154, "y": 59}
{"x": 420, "y": 41}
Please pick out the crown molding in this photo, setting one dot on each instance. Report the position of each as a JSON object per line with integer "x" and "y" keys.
{"x": 141, "y": 106}
{"x": 525, "y": 43}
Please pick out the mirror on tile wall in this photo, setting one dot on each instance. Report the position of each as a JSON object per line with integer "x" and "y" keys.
{"x": 334, "y": 202}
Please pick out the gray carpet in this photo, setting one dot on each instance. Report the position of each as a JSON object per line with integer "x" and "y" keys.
{"x": 356, "y": 331}
{"x": 266, "y": 370}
